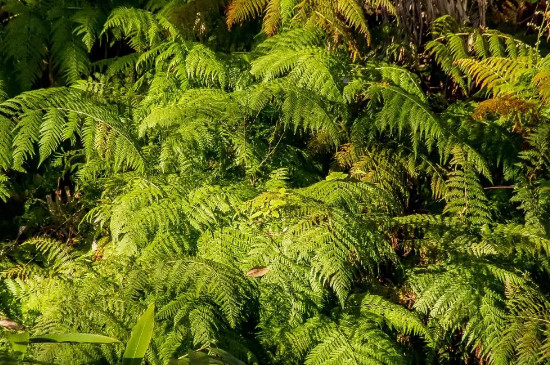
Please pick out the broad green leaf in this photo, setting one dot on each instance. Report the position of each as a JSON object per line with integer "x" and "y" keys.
{"x": 73, "y": 338}
{"x": 140, "y": 338}
{"x": 184, "y": 361}
{"x": 19, "y": 342}
{"x": 226, "y": 357}
{"x": 198, "y": 358}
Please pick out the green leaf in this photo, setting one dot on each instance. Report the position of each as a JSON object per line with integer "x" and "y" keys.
{"x": 73, "y": 338}
{"x": 226, "y": 357}
{"x": 198, "y": 358}
{"x": 140, "y": 338}
{"x": 184, "y": 361}
{"x": 19, "y": 342}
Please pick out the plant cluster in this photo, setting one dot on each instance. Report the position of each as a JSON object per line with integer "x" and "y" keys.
{"x": 307, "y": 182}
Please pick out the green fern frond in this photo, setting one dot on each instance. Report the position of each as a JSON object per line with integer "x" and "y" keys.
{"x": 453, "y": 45}
{"x": 24, "y": 43}
{"x": 90, "y": 21}
{"x": 69, "y": 54}
{"x": 300, "y": 108}
{"x": 397, "y": 317}
{"x": 405, "y": 112}
{"x": 223, "y": 285}
{"x": 141, "y": 28}
{"x": 4, "y": 188}
{"x": 201, "y": 64}
{"x": 307, "y": 67}
{"x": 354, "y": 342}
{"x": 103, "y": 129}
{"x": 354, "y": 14}
{"x": 497, "y": 74}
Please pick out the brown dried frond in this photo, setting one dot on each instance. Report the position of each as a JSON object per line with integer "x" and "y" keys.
{"x": 516, "y": 110}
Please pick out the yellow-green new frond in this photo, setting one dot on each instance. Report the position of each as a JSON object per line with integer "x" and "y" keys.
{"x": 306, "y": 66}
{"x": 201, "y": 64}
{"x": 499, "y": 75}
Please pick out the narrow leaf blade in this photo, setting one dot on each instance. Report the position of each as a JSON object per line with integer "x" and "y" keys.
{"x": 73, "y": 338}
{"x": 140, "y": 338}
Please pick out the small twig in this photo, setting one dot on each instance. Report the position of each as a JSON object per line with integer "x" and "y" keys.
{"x": 499, "y": 187}
{"x": 271, "y": 150}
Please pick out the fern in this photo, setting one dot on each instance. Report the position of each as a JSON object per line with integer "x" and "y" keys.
{"x": 240, "y": 10}
{"x": 357, "y": 338}
{"x": 483, "y": 72}
{"x": 279, "y": 201}
{"x": 69, "y": 53}
{"x": 4, "y": 188}
{"x": 332, "y": 16}
{"x": 201, "y": 64}
{"x": 26, "y": 48}
{"x": 309, "y": 69}
{"x": 58, "y": 124}
{"x": 89, "y": 22}
{"x": 453, "y": 43}
{"x": 465, "y": 196}
{"x": 142, "y": 28}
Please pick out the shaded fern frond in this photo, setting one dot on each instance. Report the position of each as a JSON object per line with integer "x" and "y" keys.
{"x": 142, "y": 28}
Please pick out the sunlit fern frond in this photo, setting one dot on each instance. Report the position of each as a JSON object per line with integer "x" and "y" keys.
{"x": 334, "y": 16}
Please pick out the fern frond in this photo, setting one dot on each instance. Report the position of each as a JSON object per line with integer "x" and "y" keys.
{"x": 362, "y": 343}
{"x": 308, "y": 67}
{"x": 69, "y": 54}
{"x": 272, "y": 17}
{"x": 142, "y": 28}
{"x": 354, "y": 14}
{"x": 300, "y": 107}
{"x": 453, "y": 44}
{"x": 90, "y": 22}
{"x": 240, "y": 10}
{"x": 497, "y": 74}
{"x": 26, "y": 134}
{"x": 51, "y": 133}
{"x": 397, "y": 317}
{"x": 201, "y": 64}
{"x": 104, "y": 131}
{"x": 223, "y": 285}
{"x": 24, "y": 43}
{"x": 4, "y": 188}
{"x": 334, "y": 16}
{"x": 406, "y": 112}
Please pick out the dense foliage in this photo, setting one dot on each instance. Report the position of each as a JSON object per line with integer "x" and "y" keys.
{"x": 288, "y": 182}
